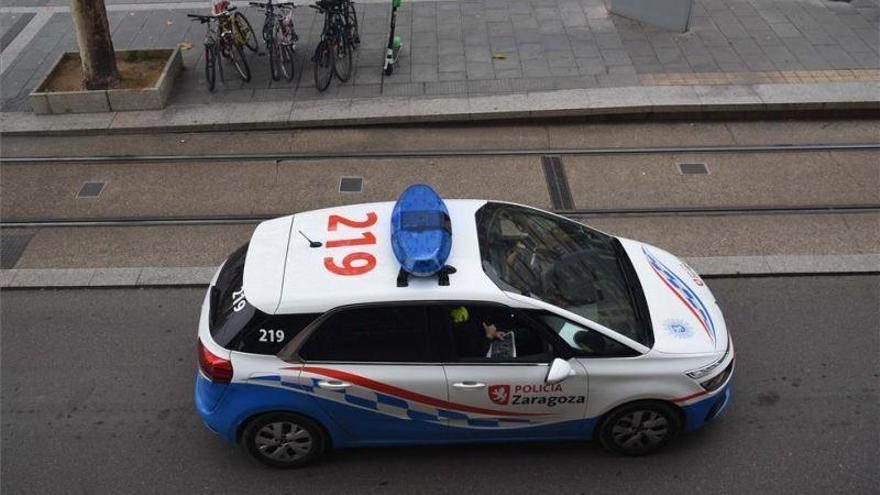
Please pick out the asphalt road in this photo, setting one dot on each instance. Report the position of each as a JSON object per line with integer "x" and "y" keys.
{"x": 97, "y": 398}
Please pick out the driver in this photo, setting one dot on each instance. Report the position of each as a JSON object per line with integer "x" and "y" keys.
{"x": 472, "y": 339}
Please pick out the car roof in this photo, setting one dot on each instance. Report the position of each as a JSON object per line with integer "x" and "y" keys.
{"x": 283, "y": 275}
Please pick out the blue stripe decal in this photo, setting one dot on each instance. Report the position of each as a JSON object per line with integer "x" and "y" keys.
{"x": 421, "y": 416}
{"x": 684, "y": 290}
{"x": 391, "y": 401}
{"x": 443, "y": 413}
{"x": 268, "y": 378}
{"x": 358, "y": 401}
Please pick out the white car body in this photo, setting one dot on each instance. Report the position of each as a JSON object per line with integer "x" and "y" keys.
{"x": 393, "y": 403}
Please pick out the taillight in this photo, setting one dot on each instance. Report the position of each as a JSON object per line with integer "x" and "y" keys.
{"x": 217, "y": 369}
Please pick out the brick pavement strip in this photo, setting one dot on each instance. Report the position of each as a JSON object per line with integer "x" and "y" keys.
{"x": 714, "y": 266}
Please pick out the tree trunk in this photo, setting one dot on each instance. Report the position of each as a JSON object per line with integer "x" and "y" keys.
{"x": 95, "y": 46}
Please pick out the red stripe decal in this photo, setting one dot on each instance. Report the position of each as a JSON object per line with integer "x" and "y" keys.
{"x": 683, "y": 301}
{"x": 402, "y": 393}
{"x": 689, "y": 397}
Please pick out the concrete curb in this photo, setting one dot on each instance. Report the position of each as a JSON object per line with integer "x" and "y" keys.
{"x": 713, "y": 266}
{"x": 636, "y": 101}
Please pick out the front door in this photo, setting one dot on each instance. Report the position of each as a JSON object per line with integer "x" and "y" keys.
{"x": 373, "y": 371}
{"x": 496, "y": 376}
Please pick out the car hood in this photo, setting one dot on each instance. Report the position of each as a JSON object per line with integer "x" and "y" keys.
{"x": 684, "y": 313}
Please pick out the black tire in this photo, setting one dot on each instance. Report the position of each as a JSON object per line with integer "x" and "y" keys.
{"x": 287, "y": 67}
{"x": 274, "y": 53}
{"x": 236, "y": 56}
{"x": 389, "y": 70}
{"x": 284, "y": 440}
{"x": 323, "y": 65}
{"x": 639, "y": 428}
{"x": 244, "y": 32}
{"x": 342, "y": 57}
{"x": 211, "y": 65}
{"x": 352, "y": 25}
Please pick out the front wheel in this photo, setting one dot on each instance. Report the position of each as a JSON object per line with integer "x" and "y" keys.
{"x": 639, "y": 428}
{"x": 274, "y": 53}
{"x": 323, "y": 64}
{"x": 284, "y": 440}
{"x": 244, "y": 33}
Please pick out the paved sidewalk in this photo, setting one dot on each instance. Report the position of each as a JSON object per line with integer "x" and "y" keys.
{"x": 457, "y": 50}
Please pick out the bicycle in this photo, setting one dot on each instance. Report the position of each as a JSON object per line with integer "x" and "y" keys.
{"x": 280, "y": 37}
{"x": 240, "y": 25}
{"x": 220, "y": 41}
{"x": 333, "y": 54}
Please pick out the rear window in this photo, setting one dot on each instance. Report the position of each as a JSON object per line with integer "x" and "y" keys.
{"x": 237, "y": 325}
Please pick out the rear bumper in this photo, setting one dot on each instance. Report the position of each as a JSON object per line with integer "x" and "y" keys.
{"x": 209, "y": 399}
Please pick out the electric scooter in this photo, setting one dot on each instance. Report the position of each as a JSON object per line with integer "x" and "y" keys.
{"x": 394, "y": 43}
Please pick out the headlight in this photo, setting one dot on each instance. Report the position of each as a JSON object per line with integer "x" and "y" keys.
{"x": 706, "y": 370}
{"x": 714, "y": 383}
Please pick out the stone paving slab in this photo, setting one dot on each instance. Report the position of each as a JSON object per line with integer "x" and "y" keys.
{"x": 637, "y": 101}
{"x": 718, "y": 266}
{"x": 472, "y": 48}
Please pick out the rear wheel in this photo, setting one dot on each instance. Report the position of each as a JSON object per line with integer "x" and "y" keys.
{"x": 639, "y": 428}
{"x": 323, "y": 64}
{"x": 287, "y": 62}
{"x": 342, "y": 56}
{"x": 210, "y": 65}
{"x": 284, "y": 440}
{"x": 236, "y": 56}
{"x": 274, "y": 53}
{"x": 352, "y": 25}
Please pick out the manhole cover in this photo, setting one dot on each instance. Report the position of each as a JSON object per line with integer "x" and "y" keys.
{"x": 11, "y": 249}
{"x": 91, "y": 189}
{"x": 693, "y": 168}
{"x": 351, "y": 184}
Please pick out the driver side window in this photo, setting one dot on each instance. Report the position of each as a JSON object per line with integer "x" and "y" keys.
{"x": 487, "y": 333}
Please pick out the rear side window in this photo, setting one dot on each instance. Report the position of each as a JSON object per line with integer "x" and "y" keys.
{"x": 237, "y": 325}
{"x": 374, "y": 334}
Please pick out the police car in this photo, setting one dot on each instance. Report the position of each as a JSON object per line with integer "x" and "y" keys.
{"x": 432, "y": 322}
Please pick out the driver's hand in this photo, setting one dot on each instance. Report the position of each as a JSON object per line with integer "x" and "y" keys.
{"x": 492, "y": 332}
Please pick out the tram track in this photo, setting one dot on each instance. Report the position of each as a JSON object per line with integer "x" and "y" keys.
{"x": 196, "y": 220}
{"x": 435, "y": 153}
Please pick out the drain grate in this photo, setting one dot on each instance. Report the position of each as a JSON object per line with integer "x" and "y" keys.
{"x": 693, "y": 168}
{"x": 11, "y": 249}
{"x": 91, "y": 189}
{"x": 351, "y": 184}
{"x": 557, "y": 182}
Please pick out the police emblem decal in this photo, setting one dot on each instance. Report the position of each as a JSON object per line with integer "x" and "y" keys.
{"x": 678, "y": 329}
{"x": 499, "y": 394}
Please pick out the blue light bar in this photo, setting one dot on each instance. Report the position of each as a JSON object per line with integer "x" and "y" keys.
{"x": 421, "y": 233}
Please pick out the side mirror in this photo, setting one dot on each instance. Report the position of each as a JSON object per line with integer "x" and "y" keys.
{"x": 559, "y": 371}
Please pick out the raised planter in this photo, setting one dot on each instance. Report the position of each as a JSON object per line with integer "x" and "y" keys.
{"x": 149, "y": 94}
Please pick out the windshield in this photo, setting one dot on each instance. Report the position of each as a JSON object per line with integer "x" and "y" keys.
{"x": 561, "y": 262}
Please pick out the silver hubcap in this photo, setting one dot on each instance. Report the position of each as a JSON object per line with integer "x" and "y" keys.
{"x": 640, "y": 430}
{"x": 283, "y": 441}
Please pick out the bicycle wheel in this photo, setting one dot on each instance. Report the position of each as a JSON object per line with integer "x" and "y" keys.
{"x": 210, "y": 65}
{"x": 351, "y": 19}
{"x": 244, "y": 33}
{"x": 274, "y": 53}
{"x": 342, "y": 56}
{"x": 287, "y": 62}
{"x": 236, "y": 56}
{"x": 323, "y": 64}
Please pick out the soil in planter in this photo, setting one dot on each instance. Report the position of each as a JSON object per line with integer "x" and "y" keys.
{"x": 134, "y": 73}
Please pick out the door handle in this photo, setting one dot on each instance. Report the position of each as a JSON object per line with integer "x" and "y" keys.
{"x": 333, "y": 384}
{"x": 469, "y": 385}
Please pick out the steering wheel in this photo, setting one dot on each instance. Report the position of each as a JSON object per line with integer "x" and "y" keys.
{"x": 574, "y": 294}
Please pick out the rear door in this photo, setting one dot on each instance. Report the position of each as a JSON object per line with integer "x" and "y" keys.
{"x": 373, "y": 369}
{"x": 499, "y": 390}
